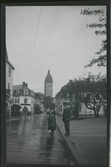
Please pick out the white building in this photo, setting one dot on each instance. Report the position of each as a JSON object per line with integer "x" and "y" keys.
{"x": 9, "y": 83}
{"x": 23, "y": 96}
{"x": 83, "y": 110}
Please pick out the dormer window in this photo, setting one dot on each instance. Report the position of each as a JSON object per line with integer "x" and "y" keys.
{"x": 25, "y": 92}
{"x": 18, "y": 92}
{"x": 32, "y": 94}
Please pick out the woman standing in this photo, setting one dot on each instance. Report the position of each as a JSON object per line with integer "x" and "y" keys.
{"x": 51, "y": 120}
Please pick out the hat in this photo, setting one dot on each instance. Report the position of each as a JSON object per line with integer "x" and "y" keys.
{"x": 65, "y": 103}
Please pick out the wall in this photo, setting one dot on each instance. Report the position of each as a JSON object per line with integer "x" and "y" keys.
{"x": 9, "y": 79}
{"x": 32, "y": 104}
{"x": 83, "y": 110}
{"x": 15, "y": 100}
{"x": 48, "y": 89}
{"x": 59, "y": 108}
{"x": 28, "y": 102}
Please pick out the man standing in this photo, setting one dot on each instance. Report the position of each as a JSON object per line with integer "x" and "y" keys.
{"x": 66, "y": 118}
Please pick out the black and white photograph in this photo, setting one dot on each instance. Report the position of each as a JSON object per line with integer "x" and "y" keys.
{"x": 56, "y": 84}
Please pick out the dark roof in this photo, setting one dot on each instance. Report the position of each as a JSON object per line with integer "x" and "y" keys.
{"x": 7, "y": 60}
{"x": 17, "y": 87}
{"x": 22, "y": 88}
{"x": 48, "y": 78}
{"x": 25, "y": 88}
{"x": 6, "y": 55}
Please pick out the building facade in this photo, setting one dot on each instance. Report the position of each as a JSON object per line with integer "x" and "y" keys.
{"x": 83, "y": 110}
{"x": 24, "y": 97}
{"x": 48, "y": 85}
{"x": 9, "y": 83}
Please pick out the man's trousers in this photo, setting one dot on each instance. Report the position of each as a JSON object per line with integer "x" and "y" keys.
{"x": 66, "y": 124}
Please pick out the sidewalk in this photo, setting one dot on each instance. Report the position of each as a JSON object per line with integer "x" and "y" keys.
{"x": 87, "y": 140}
{"x": 12, "y": 119}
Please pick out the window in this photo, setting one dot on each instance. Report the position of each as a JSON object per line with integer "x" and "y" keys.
{"x": 32, "y": 94}
{"x": 12, "y": 100}
{"x": 25, "y": 92}
{"x": 17, "y": 100}
{"x": 14, "y": 92}
{"x": 9, "y": 71}
{"x": 25, "y": 101}
{"x": 17, "y": 92}
{"x": 8, "y": 86}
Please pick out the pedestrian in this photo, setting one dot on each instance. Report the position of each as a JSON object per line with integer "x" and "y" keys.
{"x": 51, "y": 119}
{"x": 28, "y": 115}
{"x": 66, "y": 118}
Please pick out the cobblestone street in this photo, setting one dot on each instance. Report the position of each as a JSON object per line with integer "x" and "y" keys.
{"x": 28, "y": 142}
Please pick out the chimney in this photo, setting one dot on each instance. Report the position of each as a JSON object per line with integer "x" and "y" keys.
{"x": 23, "y": 84}
{"x": 26, "y": 84}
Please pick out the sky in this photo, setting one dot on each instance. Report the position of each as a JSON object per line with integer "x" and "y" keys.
{"x": 39, "y": 38}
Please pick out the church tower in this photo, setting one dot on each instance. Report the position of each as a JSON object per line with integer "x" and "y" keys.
{"x": 48, "y": 85}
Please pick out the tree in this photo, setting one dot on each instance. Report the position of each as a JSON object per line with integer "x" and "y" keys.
{"x": 90, "y": 90}
{"x": 39, "y": 95}
{"x": 47, "y": 101}
{"x": 37, "y": 109}
{"x": 101, "y": 25}
{"x": 15, "y": 108}
{"x": 67, "y": 92}
{"x": 76, "y": 110}
{"x": 93, "y": 92}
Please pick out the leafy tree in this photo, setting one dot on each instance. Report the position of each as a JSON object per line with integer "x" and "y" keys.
{"x": 15, "y": 108}
{"x": 67, "y": 92}
{"x": 39, "y": 95}
{"x": 76, "y": 110}
{"x": 47, "y": 101}
{"x": 90, "y": 90}
{"x": 101, "y": 25}
{"x": 37, "y": 109}
{"x": 94, "y": 92}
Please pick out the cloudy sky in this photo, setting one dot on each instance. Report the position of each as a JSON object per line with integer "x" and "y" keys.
{"x": 39, "y": 38}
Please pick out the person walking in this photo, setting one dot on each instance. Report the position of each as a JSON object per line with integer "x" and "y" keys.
{"x": 66, "y": 118}
{"x": 51, "y": 120}
{"x": 28, "y": 115}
